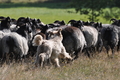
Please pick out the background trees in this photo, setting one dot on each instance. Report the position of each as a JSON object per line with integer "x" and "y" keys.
{"x": 94, "y": 8}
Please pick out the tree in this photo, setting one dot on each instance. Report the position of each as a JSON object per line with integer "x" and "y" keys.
{"x": 93, "y": 8}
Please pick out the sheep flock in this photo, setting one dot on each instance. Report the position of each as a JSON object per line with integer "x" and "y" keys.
{"x": 51, "y": 43}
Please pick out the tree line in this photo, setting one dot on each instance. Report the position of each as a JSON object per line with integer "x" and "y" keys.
{"x": 94, "y": 8}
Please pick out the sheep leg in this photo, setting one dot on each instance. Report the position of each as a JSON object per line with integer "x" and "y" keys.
{"x": 7, "y": 58}
{"x": 87, "y": 52}
{"x": 77, "y": 53}
{"x": 107, "y": 49}
{"x": 112, "y": 48}
{"x": 112, "y": 53}
{"x": 100, "y": 49}
{"x": 3, "y": 58}
{"x": 118, "y": 46}
{"x": 100, "y": 46}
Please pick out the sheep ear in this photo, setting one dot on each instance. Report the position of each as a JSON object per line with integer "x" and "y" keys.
{"x": 13, "y": 20}
{"x": 39, "y": 21}
{"x": 8, "y": 18}
{"x": 71, "y": 21}
{"x": 56, "y": 21}
{"x": 63, "y": 22}
{"x": 101, "y": 25}
{"x": 113, "y": 20}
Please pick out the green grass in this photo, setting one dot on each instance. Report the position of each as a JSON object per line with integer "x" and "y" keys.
{"x": 44, "y": 11}
{"x": 47, "y": 12}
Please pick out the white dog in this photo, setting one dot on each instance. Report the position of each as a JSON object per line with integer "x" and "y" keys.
{"x": 52, "y": 49}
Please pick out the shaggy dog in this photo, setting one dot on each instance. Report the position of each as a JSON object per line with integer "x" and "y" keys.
{"x": 51, "y": 49}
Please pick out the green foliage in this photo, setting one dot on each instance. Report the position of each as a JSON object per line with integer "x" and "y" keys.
{"x": 111, "y": 13}
{"x": 93, "y": 8}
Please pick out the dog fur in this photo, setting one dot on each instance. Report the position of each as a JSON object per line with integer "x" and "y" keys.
{"x": 50, "y": 49}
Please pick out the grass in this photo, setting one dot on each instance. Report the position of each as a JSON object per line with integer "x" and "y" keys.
{"x": 47, "y": 12}
{"x": 44, "y": 11}
{"x": 100, "y": 67}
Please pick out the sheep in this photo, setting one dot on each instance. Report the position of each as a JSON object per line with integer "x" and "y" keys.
{"x": 8, "y": 23}
{"x": 116, "y": 24}
{"x": 50, "y": 49}
{"x": 2, "y": 34}
{"x": 98, "y": 26}
{"x": 5, "y": 30}
{"x": 60, "y": 22}
{"x": 90, "y": 34}
{"x": 110, "y": 38}
{"x": 14, "y": 43}
{"x": 5, "y": 23}
{"x": 11, "y": 42}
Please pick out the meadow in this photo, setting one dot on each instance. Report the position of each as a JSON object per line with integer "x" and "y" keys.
{"x": 99, "y": 67}
{"x": 47, "y": 12}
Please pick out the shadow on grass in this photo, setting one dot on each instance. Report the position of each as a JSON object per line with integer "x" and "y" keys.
{"x": 54, "y": 5}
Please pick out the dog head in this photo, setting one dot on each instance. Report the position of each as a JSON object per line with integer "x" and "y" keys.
{"x": 37, "y": 40}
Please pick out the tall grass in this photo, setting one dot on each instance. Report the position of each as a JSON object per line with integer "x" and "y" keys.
{"x": 99, "y": 67}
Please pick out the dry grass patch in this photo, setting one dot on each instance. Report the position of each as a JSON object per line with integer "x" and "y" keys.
{"x": 100, "y": 67}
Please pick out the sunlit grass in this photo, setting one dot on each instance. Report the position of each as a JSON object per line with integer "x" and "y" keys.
{"x": 47, "y": 12}
{"x": 99, "y": 67}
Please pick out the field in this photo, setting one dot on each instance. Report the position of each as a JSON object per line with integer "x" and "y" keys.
{"x": 99, "y": 67}
{"x": 47, "y": 12}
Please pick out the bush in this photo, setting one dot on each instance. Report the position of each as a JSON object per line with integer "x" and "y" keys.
{"x": 109, "y": 13}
